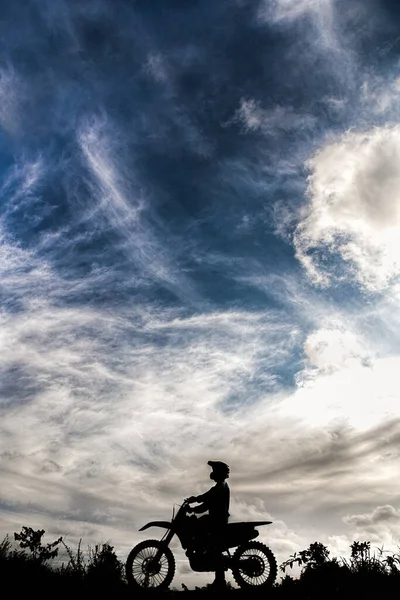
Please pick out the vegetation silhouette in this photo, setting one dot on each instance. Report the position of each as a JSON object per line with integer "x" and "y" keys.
{"x": 33, "y": 565}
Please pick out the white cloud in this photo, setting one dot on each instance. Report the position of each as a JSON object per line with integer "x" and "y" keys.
{"x": 381, "y": 526}
{"x": 381, "y": 514}
{"x": 353, "y": 210}
{"x": 290, "y": 9}
{"x": 381, "y": 96}
{"x": 270, "y": 121}
{"x": 344, "y": 381}
{"x": 329, "y": 350}
{"x": 320, "y": 12}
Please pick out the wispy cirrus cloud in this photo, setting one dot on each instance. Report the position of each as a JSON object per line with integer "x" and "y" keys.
{"x": 289, "y": 9}
{"x": 124, "y": 202}
{"x": 253, "y": 117}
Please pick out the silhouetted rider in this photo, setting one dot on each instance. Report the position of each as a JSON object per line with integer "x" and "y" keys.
{"x": 216, "y": 499}
{"x": 216, "y": 502}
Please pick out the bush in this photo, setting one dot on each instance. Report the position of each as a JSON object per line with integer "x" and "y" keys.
{"x": 28, "y": 538}
{"x": 104, "y": 565}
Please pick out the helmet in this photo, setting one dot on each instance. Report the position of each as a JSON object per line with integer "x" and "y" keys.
{"x": 219, "y": 469}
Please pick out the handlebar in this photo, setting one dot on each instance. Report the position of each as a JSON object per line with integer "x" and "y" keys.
{"x": 186, "y": 505}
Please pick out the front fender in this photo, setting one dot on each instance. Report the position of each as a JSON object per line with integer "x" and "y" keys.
{"x": 164, "y": 524}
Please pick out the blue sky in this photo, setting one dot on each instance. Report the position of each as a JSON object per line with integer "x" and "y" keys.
{"x": 199, "y": 259}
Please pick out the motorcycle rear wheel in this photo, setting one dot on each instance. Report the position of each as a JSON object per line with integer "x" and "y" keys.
{"x": 254, "y": 566}
{"x": 145, "y": 571}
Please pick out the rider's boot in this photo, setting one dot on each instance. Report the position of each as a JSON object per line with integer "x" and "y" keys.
{"x": 219, "y": 581}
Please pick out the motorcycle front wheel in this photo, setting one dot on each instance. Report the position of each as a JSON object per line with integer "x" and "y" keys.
{"x": 254, "y": 566}
{"x": 150, "y": 565}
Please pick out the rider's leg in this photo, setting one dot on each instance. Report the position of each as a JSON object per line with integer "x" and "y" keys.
{"x": 203, "y": 531}
{"x": 218, "y": 559}
{"x": 210, "y": 536}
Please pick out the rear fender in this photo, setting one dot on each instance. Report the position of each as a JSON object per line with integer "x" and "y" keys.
{"x": 164, "y": 524}
{"x": 240, "y": 533}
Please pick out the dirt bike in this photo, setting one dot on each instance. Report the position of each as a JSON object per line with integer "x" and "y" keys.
{"x": 151, "y": 564}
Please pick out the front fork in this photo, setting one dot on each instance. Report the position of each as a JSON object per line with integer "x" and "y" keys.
{"x": 165, "y": 543}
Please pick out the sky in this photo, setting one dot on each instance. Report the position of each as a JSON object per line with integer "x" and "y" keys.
{"x": 200, "y": 260}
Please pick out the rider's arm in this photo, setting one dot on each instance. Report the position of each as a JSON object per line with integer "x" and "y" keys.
{"x": 200, "y": 509}
{"x": 206, "y": 497}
